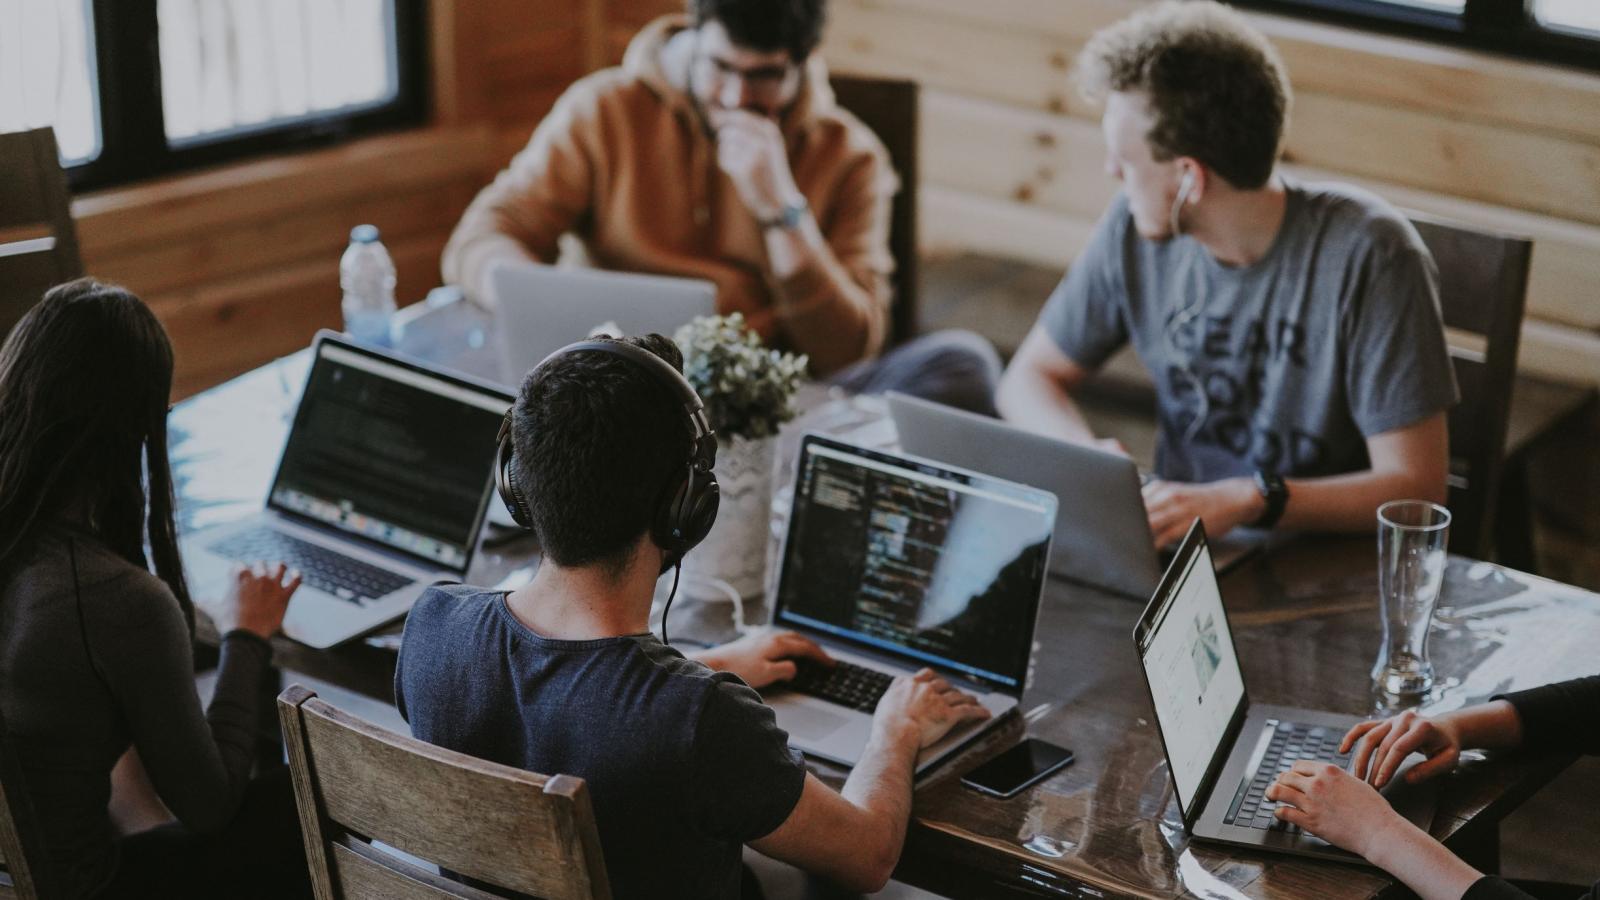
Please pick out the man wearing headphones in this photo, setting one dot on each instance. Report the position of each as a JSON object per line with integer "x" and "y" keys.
{"x": 607, "y": 457}
{"x": 1292, "y": 329}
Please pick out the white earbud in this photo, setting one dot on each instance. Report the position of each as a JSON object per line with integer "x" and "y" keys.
{"x": 1184, "y": 187}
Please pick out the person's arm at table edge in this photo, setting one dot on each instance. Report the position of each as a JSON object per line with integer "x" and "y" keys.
{"x": 539, "y": 196}
{"x": 1036, "y": 390}
{"x": 829, "y": 291}
{"x": 854, "y": 836}
{"x": 1541, "y": 718}
{"x": 1411, "y": 462}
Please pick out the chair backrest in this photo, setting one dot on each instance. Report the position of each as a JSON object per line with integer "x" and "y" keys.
{"x": 25, "y": 871}
{"x": 38, "y": 244}
{"x": 889, "y": 107}
{"x": 1483, "y": 287}
{"x": 357, "y": 784}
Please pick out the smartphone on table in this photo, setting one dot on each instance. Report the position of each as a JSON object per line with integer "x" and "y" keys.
{"x": 1028, "y": 763}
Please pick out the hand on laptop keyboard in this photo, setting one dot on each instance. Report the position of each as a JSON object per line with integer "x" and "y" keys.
{"x": 1334, "y": 805}
{"x": 765, "y": 656}
{"x": 923, "y": 708}
{"x": 256, "y": 599}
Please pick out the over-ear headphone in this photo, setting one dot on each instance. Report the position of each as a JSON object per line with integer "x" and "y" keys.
{"x": 688, "y": 506}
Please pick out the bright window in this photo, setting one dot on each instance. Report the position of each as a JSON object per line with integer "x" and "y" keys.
{"x": 47, "y": 73}
{"x": 1579, "y": 16}
{"x": 244, "y": 64}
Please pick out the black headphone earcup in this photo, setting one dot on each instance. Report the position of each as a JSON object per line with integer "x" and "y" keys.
{"x": 505, "y": 480}
{"x": 704, "y": 502}
{"x": 686, "y": 515}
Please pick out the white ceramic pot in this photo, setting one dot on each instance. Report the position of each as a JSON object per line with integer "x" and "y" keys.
{"x": 735, "y": 552}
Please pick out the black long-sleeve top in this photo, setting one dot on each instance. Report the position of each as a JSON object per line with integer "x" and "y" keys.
{"x": 1563, "y": 716}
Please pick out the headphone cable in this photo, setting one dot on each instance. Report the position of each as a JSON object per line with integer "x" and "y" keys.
{"x": 677, "y": 570}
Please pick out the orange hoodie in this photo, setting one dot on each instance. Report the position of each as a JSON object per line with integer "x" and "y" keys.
{"x": 624, "y": 162}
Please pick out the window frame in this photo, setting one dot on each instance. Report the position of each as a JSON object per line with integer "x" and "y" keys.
{"x": 131, "y": 120}
{"x": 1498, "y": 26}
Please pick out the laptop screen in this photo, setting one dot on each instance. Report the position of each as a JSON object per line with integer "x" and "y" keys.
{"x": 391, "y": 452}
{"x": 936, "y": 566}
{"x": 1189, "y": 660}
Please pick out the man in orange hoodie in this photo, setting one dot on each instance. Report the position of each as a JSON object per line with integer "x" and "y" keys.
{"x": 716, "y": 151}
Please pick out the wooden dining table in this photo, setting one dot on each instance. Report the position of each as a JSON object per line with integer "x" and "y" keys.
{"x": 1305, "y": 617}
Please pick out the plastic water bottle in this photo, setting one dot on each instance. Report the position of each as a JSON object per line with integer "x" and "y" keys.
{"x": 366, "y": 273}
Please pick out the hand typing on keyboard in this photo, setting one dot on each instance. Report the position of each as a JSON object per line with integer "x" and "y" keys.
{"x": 1336, "y": 806}
{"x": 256, "y": 599}
{"x": 764, "y": 657}
{"x": 922, "y": 708}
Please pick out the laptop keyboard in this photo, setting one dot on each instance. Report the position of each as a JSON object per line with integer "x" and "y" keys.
{"x": 847, "y": 684}
{"x": 326, "y": 570}
{"x": 1291, "y": 741}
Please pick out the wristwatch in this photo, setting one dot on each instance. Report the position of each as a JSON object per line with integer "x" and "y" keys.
{"x": 1276, "y": 494}
{"x": 790, "y": 217}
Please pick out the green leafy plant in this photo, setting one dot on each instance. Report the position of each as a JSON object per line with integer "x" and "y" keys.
{"x": 747, "y": 388}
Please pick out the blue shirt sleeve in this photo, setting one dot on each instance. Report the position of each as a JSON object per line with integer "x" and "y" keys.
{"x": 746, "y": 780}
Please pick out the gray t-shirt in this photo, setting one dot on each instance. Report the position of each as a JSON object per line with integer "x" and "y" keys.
{"x": 1332, "y": 337}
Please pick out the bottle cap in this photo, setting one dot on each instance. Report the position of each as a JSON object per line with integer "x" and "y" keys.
{"x": 364, "y": 234}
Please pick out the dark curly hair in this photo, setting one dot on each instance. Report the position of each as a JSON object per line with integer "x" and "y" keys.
{"x": 766, "y": 25}
{"x": 1217, "y": 89}
{"x": 600, "y": 441}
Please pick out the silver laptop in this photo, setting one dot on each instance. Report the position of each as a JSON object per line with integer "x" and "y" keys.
{"x": 1102, "y": 536}
{"x": 539, "y": 309}
{"x": 895, "y": 564}
{"x": 1223, "y": 751}
{"x": 380, "y": 492}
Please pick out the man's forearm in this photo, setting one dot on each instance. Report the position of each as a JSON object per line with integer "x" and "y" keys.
{"x": 880, "y": 785}
{"x": 1349, "y": 502}
{"x": 829, "y": 316}
{"x": 1032, "y": 402}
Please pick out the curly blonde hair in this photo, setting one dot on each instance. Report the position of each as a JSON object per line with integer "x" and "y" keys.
{"x": 1217, "y": 90}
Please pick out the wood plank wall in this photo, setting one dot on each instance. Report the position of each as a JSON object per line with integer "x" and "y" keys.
{"x": 1012, "y": 156}
{"x": 241, "y": 262}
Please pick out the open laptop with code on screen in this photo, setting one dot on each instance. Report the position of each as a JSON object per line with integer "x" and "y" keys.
{"x": 380, "y": 491}
{"x": 893, "y": 564}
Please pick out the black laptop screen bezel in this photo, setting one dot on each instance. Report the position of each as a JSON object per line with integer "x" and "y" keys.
{"x": 1045, "y": 500}
{"x": 329, "y": 338}
{"x": 1193, "y": 545}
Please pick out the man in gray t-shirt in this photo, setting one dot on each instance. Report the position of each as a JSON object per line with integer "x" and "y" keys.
{"x": 1292, "y": 330}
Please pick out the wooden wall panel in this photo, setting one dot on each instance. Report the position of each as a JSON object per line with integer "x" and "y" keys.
{"x": 1012, "y": 157}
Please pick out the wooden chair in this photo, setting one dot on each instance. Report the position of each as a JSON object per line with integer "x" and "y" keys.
{"x": 38, "y": 244}
{"x": 1483, "y": 287}
{"x": 25, "y": 872}
{"x": 889, "y": 107}
{"x": 356, "y": 784}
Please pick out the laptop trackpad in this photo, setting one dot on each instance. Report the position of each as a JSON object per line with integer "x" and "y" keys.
{"x": 809, "y": 724}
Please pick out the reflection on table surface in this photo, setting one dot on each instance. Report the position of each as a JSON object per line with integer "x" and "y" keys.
{"x": 1305, "y": 617}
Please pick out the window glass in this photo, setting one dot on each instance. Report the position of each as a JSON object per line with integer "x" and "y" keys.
{"x": 232, "y": 65}
{"x": 1582, "y": 16}
{"x": 47, "y": 73}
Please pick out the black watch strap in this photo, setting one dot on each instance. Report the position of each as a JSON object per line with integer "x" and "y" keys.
{"x": 1276, "y": 494}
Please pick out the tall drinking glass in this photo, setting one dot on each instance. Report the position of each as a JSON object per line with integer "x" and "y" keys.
{"x": 1411, "y": 557}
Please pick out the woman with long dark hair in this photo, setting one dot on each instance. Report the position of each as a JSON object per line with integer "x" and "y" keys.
{"x": 96, "y": 652}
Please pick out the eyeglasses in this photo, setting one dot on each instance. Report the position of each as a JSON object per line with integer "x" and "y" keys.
{"x": 768, "y": 79}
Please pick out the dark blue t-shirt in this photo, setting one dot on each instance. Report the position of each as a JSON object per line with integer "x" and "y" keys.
{"x": 684, "y": 765}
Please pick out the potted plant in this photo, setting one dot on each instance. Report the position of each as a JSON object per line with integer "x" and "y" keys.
{"x": 748, "y": 390}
